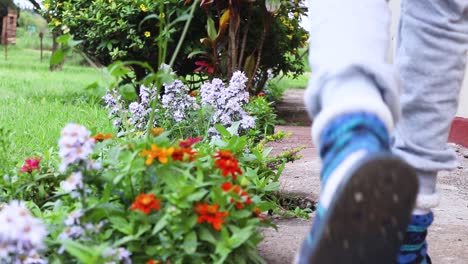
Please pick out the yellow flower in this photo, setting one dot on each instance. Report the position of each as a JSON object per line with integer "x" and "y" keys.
{"x": 110, "y": 1}
{"x": 157, "y": 153}
{"x": 147, "y": 34}
{"x": 59, "y": 4}
{"x": 162, "y": 15}
{"x": 57, "y": 23}
{"x": 289, "y": 36}
{"x": 296, "y": 15}
{"x": 47, "y": 6}
{"x": 156, "y": 131}
{"x": 143, "y": 8}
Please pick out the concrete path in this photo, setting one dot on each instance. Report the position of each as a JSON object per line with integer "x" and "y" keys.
{"x": 448, "y": 236}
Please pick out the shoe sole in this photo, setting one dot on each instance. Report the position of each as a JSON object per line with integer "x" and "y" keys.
{"x": 366, "y": 221}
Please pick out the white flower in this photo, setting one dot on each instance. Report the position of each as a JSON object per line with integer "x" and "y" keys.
{"x": 74, "y": 218}
{"x": 227, "y": 102}
{"x": 119, "y": 255}
{"x": 177, "y": 102}
{"x": 21, "y": 234}
{"x": 72, "y": 232}
{"x": 75, "y": 145}
{"x": 73, "y": 182}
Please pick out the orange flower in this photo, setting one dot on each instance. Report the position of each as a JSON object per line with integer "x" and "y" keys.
{"x": 156, "y": 131}
{"x": 210, "y": 214}
{"x": 146, "y": 202}
{"x": 156, "y": 152}
{"x": 193, "y": 93}
{"x": 181, "y": 153}
{"x": 227, "y": 186}
{"x": 102, "y": 137}
{"x": 227, "y": 163}
{"x": 257, "y": 213}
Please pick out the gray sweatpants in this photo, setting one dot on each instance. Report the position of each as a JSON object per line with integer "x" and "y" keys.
{"x": 349, "y": 43}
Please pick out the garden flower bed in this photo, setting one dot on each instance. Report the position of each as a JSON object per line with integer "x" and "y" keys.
{"x": 193, "y": 190}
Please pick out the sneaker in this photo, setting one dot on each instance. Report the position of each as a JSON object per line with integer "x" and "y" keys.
{"x": 367, "y": 195}
{"x": 414, "y": 248}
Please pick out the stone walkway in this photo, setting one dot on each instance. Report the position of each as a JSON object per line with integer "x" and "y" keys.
{"x": 448, "y": 236}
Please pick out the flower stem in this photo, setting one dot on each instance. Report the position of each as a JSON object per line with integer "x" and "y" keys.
{"x": 184, "y": 33}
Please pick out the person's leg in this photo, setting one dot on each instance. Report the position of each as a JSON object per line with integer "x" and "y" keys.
{"x": 367, "y": 193}
{"x": 431, "y": 54}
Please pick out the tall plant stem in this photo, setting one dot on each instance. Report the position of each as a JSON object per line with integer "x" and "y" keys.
{"x": 184, "y": 33}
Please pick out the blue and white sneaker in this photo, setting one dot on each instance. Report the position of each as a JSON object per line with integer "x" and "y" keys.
{"x": 414, "y": 248}
{"x": 367, "y": 195}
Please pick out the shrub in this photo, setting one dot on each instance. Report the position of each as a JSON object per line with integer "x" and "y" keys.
{"x": 148, "y": 31}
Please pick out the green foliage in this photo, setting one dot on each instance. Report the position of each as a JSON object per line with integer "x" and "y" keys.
{"x": 264, "y": 114}
{"x": 262, "y": 39}
{"x": 142, "y": 30}
{"x": 173, "y": 233}
{"x": 149, "y": 31}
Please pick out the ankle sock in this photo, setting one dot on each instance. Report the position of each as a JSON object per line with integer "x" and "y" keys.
{"x": 414, "y": 248}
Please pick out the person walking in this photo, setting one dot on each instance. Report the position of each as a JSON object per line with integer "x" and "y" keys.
{"x": 381, "y": 129}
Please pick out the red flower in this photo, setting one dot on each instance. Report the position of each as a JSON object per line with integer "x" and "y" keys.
{"x": 102, "y": 137}
{"x": 189, "y": 142}
{"x": 31, "y": 165}
{"x": 210, "y": 214}
{"x": 204, "y": 66}
{"x": 261, "y": 94}
{"x": 152, "y": 261}
{"x": 146, "y": 202}
{"x": 181, "y": 153}
{"x": 227, "y": 163}
{"x": 239, "y": 205}
{"x": 227, "y": 186}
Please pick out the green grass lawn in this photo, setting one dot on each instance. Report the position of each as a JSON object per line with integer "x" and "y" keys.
{"x": 36, "y": 103}
{"x": 290, "y": 83}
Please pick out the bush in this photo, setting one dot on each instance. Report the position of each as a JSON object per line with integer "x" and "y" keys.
{"x": 147, "y": 31}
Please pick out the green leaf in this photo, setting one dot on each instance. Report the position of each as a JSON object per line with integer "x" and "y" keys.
{"x": 73, "y": 43}
{"x": 239, "y": 237}
{"x": 197, "y": 52}
{"x": 223, "y": 131}
{"x": 160, "y": 225}
{"x": 234, "y": 128}
{"x": 197, "y": 196}
{"x": 273, "y": 186}
{"x": 121, "y": 224}
{"x": 249, "y": 65}
{"x": 206, "y": 235}
{"x": 211, "y": 29}
{"x": 81, "y": 252}
{"x": 190, "y": 243}
{"x": 63, "y": 39}
{"x": 57, "y": 57}
{"x": 92, "y": 86}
